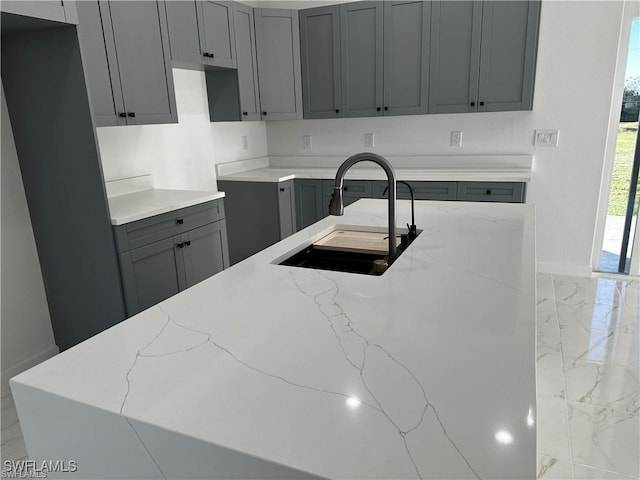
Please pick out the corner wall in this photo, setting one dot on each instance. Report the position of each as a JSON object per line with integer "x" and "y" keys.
{"x": 27, "y": 336}
{"x": 577, "y": 53}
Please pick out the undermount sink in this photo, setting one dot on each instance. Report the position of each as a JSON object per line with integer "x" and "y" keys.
{"x": 346, "y": 249}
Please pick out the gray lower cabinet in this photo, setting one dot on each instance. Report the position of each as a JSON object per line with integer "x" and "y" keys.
{"x": 352, "y": 190}
{"x": 310, "y": 205}
{"x": 164, "y": 254}
{"x": 421, "y": 190}
{"x": 258, "y": 214}
{"x": 125, "y": 48}
{"x": 278, "y": 52}
{"x": 483, "y": 55}
{"x": 491, "y": 192}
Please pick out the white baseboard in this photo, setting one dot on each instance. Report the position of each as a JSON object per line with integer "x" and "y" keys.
{"x": 14, "y": 370}
{"x": 565, "y": 269}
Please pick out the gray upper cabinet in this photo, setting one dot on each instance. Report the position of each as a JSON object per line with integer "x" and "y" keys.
{"x": 455, "y": 56}
{"x": 47, "y": 10}
{"x": 247, "y": 62}
{"x": 362, "y": 50}
{"x": 184, "y": 32}
{"x": 483, "y": 56}
{"x": 508, "y": 55}
{"x": 320, "y": 62}
{"x": 216, "y": 33}
{"x": 125, "y": 50}
{"x": 278, "y": 51}
{"x": 406, "y": 57}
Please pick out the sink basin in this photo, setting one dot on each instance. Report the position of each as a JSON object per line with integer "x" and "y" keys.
{"x": 346, "y": 250}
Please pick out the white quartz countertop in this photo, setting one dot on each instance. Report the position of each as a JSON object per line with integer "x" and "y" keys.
{"x": 424, "y": 372}
{"x": 147, "y": 203}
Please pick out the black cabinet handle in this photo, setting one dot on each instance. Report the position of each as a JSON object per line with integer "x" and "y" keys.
{"x": 264, "y": 113}
{"x": 122, "y": 114}
{"x": 187, "y": 243}
{"x": 180, "y": 221}
{"x": 488, "y": 192}
{"x": 132, "y": 114}
{"x": 346, "y": 189}
{"x": 473, "y": 104}
{"x": 205, "y": 54}
{"x": 386, "y": 108}
{"x": 377, "y": 109}
{"x": 337, "y": 110}
{"x": 282, "y": 189}
{"x": 481, "y": 103}
{"x": 180, "y": 245}
{"x": 245, "y": 113}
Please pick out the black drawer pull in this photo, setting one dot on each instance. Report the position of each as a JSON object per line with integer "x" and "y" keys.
{"x": 346, "y": 189}
{"x": 282, "y": 189}
{"x": 180, "y": 245}
{"x": 205, "y": 54}
{"x": 337, "y": 110}
{"x": 481, "y": 103}
{"x": 245, "y": 113}
{"x": 473, "y": 104}
{"x": 264, "y": 113}
{"x": 122, "y": 114}
{"x": 377, "y": 109}
{"x": 132, "y": 114}
{"x": 180, "y": 221}
{"x": 386, "y": 108}
{"x": 187, "y": 243}
{"x": 488, "y": 192}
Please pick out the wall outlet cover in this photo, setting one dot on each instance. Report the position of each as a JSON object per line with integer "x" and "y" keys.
{"x": 306, "y": 142}
{"x": 245, "y": 142}
{"x": 368, "y": 140}
{"x": 546, "y": 138}
{"x": 456, "y": 139}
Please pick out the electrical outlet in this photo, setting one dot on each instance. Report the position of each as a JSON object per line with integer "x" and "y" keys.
{"x": 368, "y": 140}
{"x": 546, "y": 138}
{"x": 245, "y": 142}
{"x": 456, "y": 139}
{"x": 306, "y": 142}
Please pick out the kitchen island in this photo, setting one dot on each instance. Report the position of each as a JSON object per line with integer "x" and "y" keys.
{"x": 267, "y": 371}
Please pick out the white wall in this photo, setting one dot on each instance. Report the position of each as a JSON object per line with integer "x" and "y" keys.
{"x": 27, "y": 336}
{"x": 180, "y": 155}
{"x": 574, "y": 80}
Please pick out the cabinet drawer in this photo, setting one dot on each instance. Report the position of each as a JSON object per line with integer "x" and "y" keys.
{"x": 421, "y": 190}
{"x": 351, "y": 188}
{"x": 491, "y": 192}
{"x": 149, "y": 230}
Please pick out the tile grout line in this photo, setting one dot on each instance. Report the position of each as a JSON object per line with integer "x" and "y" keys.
{"x": 564, "y": 377}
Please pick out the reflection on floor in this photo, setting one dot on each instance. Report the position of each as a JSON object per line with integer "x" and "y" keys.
{"x": 588, "y": 364}
{"x": 588, "y": 368}
{"x": 610, "y": 257}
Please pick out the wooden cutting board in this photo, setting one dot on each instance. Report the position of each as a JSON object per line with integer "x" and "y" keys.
{"x": 357, "y": 242}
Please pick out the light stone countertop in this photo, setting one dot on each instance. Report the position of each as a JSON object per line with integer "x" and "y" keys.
{"x": 427, "y": 371}
{"x": 147, "y": 203}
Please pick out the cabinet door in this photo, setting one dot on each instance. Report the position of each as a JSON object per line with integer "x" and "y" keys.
{"x": 455, "y": 56}
{"x": 309, "y": 206}
{"x": 278, "y": 48}
{"x": 47, "y": 10}
{"x": 205, "y": 252}
{"x": 142, "y": 49}
{"x": 247, "y": 62}
{"x": 286, "y": 209}
{"x": 320, "y": 60}
{"x": 352, "y": 190}
{"x": 406, "y": 57}
{"x": 491, "y": 192}
{"x": 184, "y": 34}
{"x": 100, "y": 63}
{"x": 151, "y": 274}
{"x": 216, "y": 33}
{"x": 361, "y": 45}
{"x": 508, "y": 55}
{"x": 421, "y": 190}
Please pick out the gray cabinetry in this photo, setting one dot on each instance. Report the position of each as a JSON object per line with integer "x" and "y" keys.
{"x": 201, "y": 32}
{"x": 278, "y": 52}
{"x": 135, "y": 85}
{"x": 352, "y": 190}
{"x": 421, "y": 190}
{"x": 309, "y": 202}
{"x": 362, "y": 50}
{"x": 247, "y": 62}
{"x": 406, "y": 57}
{"x": 491, "y": 192}
{"x": 483, "y": 56}
{"x": 46, "y": 10}
{"x": 164, "y": 254}
{"x": 320, "y": 61}
{"x": 258, "y": 214}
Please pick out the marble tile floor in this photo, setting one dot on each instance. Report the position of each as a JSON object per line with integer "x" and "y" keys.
{"x": 588, "y": 380}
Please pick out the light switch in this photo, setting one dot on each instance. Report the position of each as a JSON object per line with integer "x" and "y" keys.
{"x": 306, "y": 142}
{"x": 546, "y": 138}
{"x": 368, "y": 140}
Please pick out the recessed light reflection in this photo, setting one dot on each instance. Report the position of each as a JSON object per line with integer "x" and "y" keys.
{"x": 353, "y": 402}
{"x": 530, "y": 420}
{"x": 504, "y": 437}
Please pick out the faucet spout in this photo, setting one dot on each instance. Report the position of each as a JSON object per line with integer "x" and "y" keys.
{"x": 336, "y": 207}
